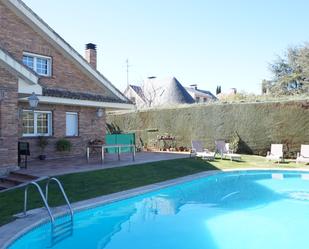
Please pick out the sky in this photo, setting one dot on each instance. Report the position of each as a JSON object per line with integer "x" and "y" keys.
{"x": 203, "y": 42}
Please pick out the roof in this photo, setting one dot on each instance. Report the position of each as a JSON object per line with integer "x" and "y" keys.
{"x": 168, "y": 91}
{"x": 199, "y": 91}
{"x": 17, "y": 68}
{"x": 61, "y": 93}
{"x": 139, "y": 91}
{"x": 24, "y": 12}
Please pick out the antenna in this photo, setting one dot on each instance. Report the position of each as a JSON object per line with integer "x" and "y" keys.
{"x": 128, "y": 65}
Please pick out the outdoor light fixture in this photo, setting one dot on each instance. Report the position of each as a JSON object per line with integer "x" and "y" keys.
{"x": 100, "y": 112}
{"x": 33, "y": 101}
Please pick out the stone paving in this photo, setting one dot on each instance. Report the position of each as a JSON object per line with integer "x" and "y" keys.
{"x": 72, "y": 165}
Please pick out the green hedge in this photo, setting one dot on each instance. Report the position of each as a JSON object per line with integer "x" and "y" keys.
{"x": 257, "y": 124}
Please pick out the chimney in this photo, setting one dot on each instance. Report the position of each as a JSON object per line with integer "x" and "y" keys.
{"x": 193, "y": 86}
{"x": 91, "y": 54}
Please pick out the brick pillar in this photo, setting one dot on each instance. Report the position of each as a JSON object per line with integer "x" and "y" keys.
{"x": 8, "y": 120}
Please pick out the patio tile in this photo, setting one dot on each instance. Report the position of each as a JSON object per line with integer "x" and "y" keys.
{"x": 71, "y": 165}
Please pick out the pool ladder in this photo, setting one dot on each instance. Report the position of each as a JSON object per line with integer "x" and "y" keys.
{"x": 45, "y": 198}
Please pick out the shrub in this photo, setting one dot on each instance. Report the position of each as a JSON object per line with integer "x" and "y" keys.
{"x": 234, "y": 144}
{"x": 42, "y": 143}
{"x": 63, "y": 145}
{"x": 113, "y": 128}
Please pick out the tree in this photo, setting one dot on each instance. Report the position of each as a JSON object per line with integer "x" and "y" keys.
{"x": 218, "y": 90}
{"x": 290, "y": 73}
{"x": 151, "y": 93}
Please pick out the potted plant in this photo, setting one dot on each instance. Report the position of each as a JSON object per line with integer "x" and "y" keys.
{"x": 42, "y": 143}
{"x": 63, "y": 145}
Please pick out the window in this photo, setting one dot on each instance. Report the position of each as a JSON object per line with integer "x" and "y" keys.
{"x": 36, "y": 123}
{"x": 197, "y": 99}
{"x": 40, "y": 64}
{"x": 71, "y": 124}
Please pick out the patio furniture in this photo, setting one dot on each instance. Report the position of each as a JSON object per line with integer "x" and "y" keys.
{"x": 199, "y": 151}
{"x": 303, "y": 155}
{"x": 275, "y": 153}
{"x": 104, "y": 147}
{"x": 224, "y": 150}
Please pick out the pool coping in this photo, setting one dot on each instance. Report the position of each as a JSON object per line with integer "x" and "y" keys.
{"x": 17, "y": 228}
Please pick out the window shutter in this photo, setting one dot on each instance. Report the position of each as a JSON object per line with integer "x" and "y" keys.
{"x": 71, "y": 124}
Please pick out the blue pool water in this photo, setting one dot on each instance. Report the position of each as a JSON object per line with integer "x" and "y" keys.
{"x": 243, "y": 210}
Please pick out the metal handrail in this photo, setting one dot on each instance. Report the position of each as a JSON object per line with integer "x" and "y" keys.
{"x": 62, "y": 191}
{"x": 43, "y": 198}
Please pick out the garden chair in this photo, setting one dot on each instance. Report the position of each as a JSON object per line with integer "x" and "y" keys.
{"x": 303, "y": 155}
{"x": 224, "y": 150}
{"x": 275, "y": 153}
{"x": 199, "y": 151}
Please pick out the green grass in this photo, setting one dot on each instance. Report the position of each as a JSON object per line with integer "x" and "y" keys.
{"x": 86, "y": 185}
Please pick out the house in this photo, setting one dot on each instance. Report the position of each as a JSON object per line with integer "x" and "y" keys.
{"x": 156, "y": 92}
{"x": 200, "y": 96}
{"x": 72, "y": 95}
{"x": 136, "y": 95}
{"x": 227, "y": 94}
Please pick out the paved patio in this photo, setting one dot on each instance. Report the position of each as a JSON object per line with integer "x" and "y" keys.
{"x": 72, "y": 165}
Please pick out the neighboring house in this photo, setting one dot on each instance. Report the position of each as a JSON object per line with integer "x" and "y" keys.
{"x": 156, "y": 92}
{"x": 229, "y": 93}
{"x": 200, "y": 96}
{"x": 73, "y": 95}
{"x": 136, "y": 95}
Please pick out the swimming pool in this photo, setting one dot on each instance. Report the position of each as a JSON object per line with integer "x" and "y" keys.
{"x": 235, "y": 210}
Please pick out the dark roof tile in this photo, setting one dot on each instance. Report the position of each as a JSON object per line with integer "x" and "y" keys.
{"x": 61, "y": 93}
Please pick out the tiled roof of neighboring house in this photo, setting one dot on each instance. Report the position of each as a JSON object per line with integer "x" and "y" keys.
{"x": 139, "y": 91}
{"x": 167, "y": 91}
{"x": 61, "y": 93}
{"x": 199, "y": 91}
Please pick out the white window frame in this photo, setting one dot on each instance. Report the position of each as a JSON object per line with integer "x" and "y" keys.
{"x": 49, "y": 127}
{"x": 77, "y": 124}
{"x": 38, "y": 56}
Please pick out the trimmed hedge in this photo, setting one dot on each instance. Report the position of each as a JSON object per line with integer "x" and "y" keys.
{"x": 257, "y": 125}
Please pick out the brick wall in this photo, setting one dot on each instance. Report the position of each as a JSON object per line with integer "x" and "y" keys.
{"x": 90, "y": 127}
{"x": 17, "y": 37}
{"x": 8, "y": 120}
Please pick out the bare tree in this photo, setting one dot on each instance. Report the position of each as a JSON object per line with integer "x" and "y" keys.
{"x": 151, "y": 93}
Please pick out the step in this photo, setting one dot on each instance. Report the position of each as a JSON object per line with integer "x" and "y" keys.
{"x": 23, "y": 176}
{"x": 6, "y": 185}
{"x": 14, "y": 180}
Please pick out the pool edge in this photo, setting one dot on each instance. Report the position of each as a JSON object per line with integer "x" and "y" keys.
{"x": 16, "y": 229}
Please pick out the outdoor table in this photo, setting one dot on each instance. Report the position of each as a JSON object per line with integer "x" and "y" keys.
{"x": 117, "y": 146}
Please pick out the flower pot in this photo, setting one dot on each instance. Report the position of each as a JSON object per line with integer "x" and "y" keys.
{"x": 42, "y": 157}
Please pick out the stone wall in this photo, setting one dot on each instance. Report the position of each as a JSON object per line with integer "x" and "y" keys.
{"x": 258, "y": 124}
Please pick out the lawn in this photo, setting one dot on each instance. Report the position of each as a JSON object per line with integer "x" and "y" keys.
{"x": 86, "y": 185}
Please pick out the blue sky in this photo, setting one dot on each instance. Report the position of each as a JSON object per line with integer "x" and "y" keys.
{"x": 204, "y": 42}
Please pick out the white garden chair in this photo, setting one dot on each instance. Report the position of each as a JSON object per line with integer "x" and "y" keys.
{"x": 303, "y": 155}
{"x": 224, "y": 150}
{"x": 275, "y": 153}
{"x": 199, "y": 151}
